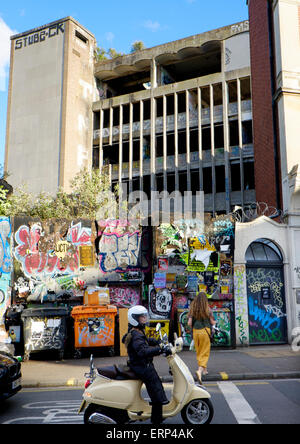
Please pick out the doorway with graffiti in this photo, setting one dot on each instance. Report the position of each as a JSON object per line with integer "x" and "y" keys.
{"x": 266, "y": 295}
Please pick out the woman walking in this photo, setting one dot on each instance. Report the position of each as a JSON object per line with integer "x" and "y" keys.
{"x": 201, "y": 320}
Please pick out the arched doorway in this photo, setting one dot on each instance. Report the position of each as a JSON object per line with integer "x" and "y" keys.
{"x": 266, "y": 296}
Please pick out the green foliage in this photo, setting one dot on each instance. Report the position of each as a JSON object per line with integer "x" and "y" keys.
{"x": 90, "y": 192}
{"x": 138, "y": 45}
{"x": 101, "y": 54}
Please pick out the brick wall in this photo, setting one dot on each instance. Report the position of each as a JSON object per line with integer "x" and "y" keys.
{"x": 265, "y": 177}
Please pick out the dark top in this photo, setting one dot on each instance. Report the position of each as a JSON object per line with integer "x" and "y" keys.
{"x": 141, "y": 349}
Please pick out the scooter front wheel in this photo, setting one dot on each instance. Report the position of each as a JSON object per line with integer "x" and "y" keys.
{"x": 198, "y": 411}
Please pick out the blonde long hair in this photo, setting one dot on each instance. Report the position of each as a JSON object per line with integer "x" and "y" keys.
{"x": 199, "y": 308}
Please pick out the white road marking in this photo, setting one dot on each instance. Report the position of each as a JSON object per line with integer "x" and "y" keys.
{"x": 242, "y": 411}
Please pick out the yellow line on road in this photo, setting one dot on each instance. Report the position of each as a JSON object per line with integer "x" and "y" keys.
{"x": 224, "y": 376}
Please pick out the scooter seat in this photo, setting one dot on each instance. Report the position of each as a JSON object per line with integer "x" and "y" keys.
{"x": 119, "y": 372}
{"x": 108, "y": 371}
{"x": 125, "y": 372}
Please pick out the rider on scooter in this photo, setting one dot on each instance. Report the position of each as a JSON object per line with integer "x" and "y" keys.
{"x": 141, "y": 351}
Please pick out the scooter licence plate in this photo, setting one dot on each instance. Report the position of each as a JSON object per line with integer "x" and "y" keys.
{"x": 82, "y": 406}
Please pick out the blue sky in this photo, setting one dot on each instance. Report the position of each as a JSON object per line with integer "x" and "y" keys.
{"x": 115, "y": 24}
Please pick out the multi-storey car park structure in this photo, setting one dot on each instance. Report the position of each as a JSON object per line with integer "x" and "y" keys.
{"x": 177, "y": 117}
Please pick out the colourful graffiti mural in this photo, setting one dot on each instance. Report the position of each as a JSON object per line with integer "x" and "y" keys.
{"x": 266, "y": 305}
{"x": 5, "y": 265}
{"x": 123, "y": 248}
{"x": 36, "y": 263}
{"x": 124, "y": 296}
{"x": 47, "y": 257}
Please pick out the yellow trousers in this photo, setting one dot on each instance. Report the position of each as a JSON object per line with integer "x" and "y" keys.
{"x": 202, "y": 346}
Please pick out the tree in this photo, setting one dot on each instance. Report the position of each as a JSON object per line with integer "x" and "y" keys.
{"x": 100, "y": 54}
{"x": 113, "y": 54}
{"x": 90, "y": 192}
{"x": 138, "y": 45}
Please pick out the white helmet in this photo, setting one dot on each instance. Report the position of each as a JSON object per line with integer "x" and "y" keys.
{"x": 134, "y": 313}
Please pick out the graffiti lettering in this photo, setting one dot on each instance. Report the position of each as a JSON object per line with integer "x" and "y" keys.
{"x": 241, "y": 303}
{"x": 36, "y": 263}
{"x": 124, "y": 296}
{"x": 265, "y": 318}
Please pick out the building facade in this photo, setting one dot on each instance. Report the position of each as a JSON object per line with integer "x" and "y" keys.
{"x": 217, "y": 112}
{"x": 49, "y": 124}
{"x": 178, "y": 117}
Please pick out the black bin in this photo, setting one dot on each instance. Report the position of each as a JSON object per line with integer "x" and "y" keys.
{"x": 45, "y": 329}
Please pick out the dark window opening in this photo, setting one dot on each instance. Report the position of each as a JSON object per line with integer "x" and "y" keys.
{"x": 125, "y": 152}
{"x": 96, "y": 157}
{"x": 182, "y": 182}
{"x": 129, "y": 84}
{"x": 159, "y": 146}
{"x": 220, "y": 179}
{"x": 136, "y": 184}
{"x": 81, "y": 37}
{"x": 208, "y": 62}
{"x": 147, "y": 109}
{"x": 147, "y": 185}
{"x": 207, "y": 180}
{"x": 233, "y": 133}
{"x": 195, "y": 181}
{"x": 194, "y": 143}
{"x": 170, "y": 144}
{"x": 235, "y": 177}
{"x": 217, "y": 94}
{"x": 245, "y": 89}
{"x": 206, "y": 138}
{"x": 232, "y": 91}
{"x": 219, "y": 136}
{"x": 249, "y": 180}
{"x": 96, "y": 118}
{"x": 159, "y": 183}
{"x": 247, "y": 132}
{"x": 171, "y": 183}
{"x": 110, "y": 154}
{"x": 181, "y": 142}
{"x": 136, "y": 150}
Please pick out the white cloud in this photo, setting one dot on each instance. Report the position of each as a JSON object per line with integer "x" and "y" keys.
{"x": 153, "y": 26}
{"x": 109, "y": 36}
{"x": 5, "y": 33}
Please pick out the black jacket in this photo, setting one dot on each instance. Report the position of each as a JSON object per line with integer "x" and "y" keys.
{"x": 141, "y": 349}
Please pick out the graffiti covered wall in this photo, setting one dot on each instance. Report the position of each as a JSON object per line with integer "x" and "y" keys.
{"x": 5, "y": 265}
{"x": 48, "y": 263}
{"x": 241, "y": 307}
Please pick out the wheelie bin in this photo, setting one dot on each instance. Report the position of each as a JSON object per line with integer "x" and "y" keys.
{"x": 44, "y": 330}
{"x": 94, "y": 327}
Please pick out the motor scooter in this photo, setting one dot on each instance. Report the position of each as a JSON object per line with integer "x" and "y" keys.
{"x": 113, "y": 393}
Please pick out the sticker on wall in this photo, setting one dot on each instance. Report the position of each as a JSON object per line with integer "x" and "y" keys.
{"x": 160, "y": 303}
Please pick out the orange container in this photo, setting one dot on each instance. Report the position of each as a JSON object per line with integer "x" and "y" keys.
{"x": 98, "y": 296}
{"x": 94, "y": 326}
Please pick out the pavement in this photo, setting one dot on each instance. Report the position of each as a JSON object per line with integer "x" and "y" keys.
{"x": 243, "y": 363}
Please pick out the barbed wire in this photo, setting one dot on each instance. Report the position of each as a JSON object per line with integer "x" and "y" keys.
{"x": 254, "y": 210}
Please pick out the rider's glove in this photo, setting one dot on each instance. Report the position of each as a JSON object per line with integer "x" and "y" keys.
{"x": 166, "y": 350}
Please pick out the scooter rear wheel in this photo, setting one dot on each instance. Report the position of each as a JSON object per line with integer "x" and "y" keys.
{"x": 198, "y": 411}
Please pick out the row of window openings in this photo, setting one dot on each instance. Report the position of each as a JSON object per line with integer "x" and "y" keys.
{"x": 220, "y": 182}
{"x": 111, "y": 152}
{"x": 181, "y": 103}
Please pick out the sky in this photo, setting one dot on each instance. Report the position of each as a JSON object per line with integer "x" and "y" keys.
{"x": 115, "y": 24}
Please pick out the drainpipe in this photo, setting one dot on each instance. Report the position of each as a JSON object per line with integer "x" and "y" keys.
{"x": 274, "y": 108}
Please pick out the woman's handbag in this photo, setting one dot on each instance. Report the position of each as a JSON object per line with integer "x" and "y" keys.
{"x": 211, "y": 334}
